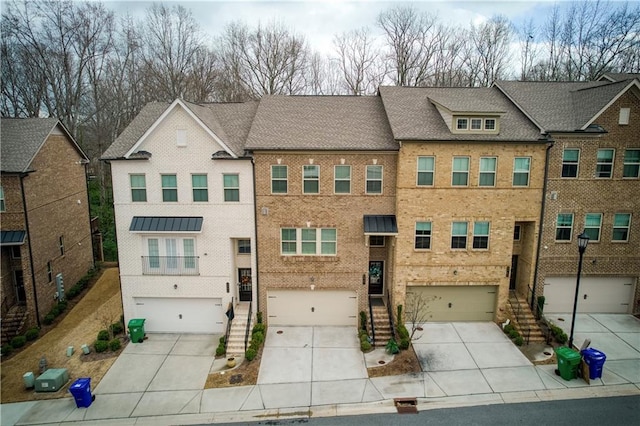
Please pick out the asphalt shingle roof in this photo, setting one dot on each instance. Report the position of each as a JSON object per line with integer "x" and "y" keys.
{"x": 619, "y": 76}
{"x": 413, "y": 115}
{"x": 321, "y": 123}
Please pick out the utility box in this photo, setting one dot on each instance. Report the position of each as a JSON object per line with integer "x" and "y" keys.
{"x": 29, "y": 380}
{"x": 52, "y": 380}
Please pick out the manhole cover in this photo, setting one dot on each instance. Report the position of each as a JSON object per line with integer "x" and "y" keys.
{"x": 279, "y": 332}
{"x": 381, "y": 362}
{"x": 236, "y": 378}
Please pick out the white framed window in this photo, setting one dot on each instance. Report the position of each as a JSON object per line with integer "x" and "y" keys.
{"x": 631, "y": 163}
{"x": 604, "y": 163}
{"x": 3, "y": 207}
{"x": 490, "y": 124}
{"x": 487, "y": 175}
{"x": 480, "y": 235}
{"x": 138, "y": 188}
{"x": 171, "y": 254}
{"x": 521, "y": 167}
{"x": 181, "y": 137}
{"x": 621, "y": 226}
{"x": 169, "y": 188}
{"x": 231, "y": 187}
{"x": 244, "y": 246}
{"x": 61, "y": 244}
{"x": 15, "y": 252}
{"x": 623, "y": 119}
{"x": 426, "y": 170}
{"x": 460, "y": 171}
{"x": 374, "y": 180}
{"x": 342, "y": 179}
{"x": 279, "y": 179}
{"x": 423, "y": 236}
{"x": 570, "y": 161}
{"x": 199, "y": 188}
{"x": 304, "y": 241}
{"x": 592, "y": 224}
{"x": 476, "y": 124}
{"x": 564, "y": 226}
{"x": 311, "y": 179}
{"x": 459, "y": 235}
{"x": 288, "y": 241}
{"x": 376, "y": 240}
{"x": 462, "y": 123}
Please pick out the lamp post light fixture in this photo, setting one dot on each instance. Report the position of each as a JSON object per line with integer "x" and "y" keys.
{"x": 583, "y": 240}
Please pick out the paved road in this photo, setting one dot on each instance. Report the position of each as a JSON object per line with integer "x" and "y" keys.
{"x": 619, "y": 411}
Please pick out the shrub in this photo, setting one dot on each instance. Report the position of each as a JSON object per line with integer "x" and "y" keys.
{"x": 32, "y": 333}
{"x": 250, "y": 354}
{"x": 508, "y": 328}
{"x": 100, "y": 345}
{"x": 259, "y": 317}
{"x": 363, "y": 320}
{"x": 403, "y": 333}
{"x": 404, "y": 343}
{"x": 362, "y": 333}
{"x": 62, "y": 305}
{"x": 519, "y": 341}
{"x": 392, "y": 347}
{"x": 513, "y": 334}
{"x": 103, "y": 335}
{"x": 6, "y": 349}
{"x": 364, "y": 337}
{"x": 71, "y": 293}
{"x": 257, "y": 338}
{"x": 399, "y": 317}
{"x": 220, "y": 349}
{"x": 221, "y": 341}
{"x": 259, "y": 328}
{"x": 365, "y": 346}
{"x": 117, "y": 328}
{"x": 48, "y": 319}
{"x": 55, "y": 311}
{"x": 114, "y": 344}
{"x": 558, "y": 333}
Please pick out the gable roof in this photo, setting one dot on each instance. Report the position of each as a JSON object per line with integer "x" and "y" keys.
{"x": 413, "y": 113}
{"x": 320, "y": 123}
{"x": 22, "y": 139}
{"x": 563, "y": 106}
{"x": 228, "y": 123}
{"x": 618, "y": 76}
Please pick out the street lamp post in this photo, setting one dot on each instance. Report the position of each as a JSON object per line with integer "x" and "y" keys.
{"x": 583, "y": 240}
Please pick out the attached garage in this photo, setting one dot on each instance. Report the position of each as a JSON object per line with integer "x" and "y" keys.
{"x": 180, "y": 315}
{"x": 318, "y": 307}
{"x": 596, "y": 295}
{"x": 455, "y": 303}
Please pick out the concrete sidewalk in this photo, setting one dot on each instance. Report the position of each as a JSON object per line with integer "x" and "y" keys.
{"x": 161, "y": 381}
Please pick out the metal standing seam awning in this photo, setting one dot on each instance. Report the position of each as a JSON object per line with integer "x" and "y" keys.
{"x": 380, "y": 225}
{"x": 166, "y": 224}
{"x": 12, "y": 238}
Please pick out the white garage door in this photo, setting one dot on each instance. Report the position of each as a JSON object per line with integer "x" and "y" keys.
{"x": 596, "y": 295}
{"x": 454, "y": 303}
{"x": 319, "y": 307}
{"x": 179, "y": 315}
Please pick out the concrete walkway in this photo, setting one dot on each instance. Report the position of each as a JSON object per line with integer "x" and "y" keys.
{"x": 320, "y": 371}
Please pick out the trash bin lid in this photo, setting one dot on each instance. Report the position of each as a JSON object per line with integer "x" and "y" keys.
{"x": 81, "y": 383}
{"x": 136, "y": 322}
{"x": 593, "y": 354}
{"x": 567, "y": 353}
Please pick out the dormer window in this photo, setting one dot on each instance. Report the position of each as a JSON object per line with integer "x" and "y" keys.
{"x": 462, "y": 124}
{"x": 475, "y": 125}
{"x": 490, "y": 124}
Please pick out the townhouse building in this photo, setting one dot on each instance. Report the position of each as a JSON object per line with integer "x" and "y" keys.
{"x": 44, "y": 217}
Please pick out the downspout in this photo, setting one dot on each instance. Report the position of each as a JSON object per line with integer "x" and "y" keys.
{"x": 542, "y": 211}
{"x": 33, "y": 272}
{"x": 255, "y": 227}
{"x": 86, "y": 184}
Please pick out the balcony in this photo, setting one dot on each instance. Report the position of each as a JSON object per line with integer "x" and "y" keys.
{"x": 170, "y": 265}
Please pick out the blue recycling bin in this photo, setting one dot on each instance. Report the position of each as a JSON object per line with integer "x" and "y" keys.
{"x": 81, "y": 391}
{"x": 595, "y": 360}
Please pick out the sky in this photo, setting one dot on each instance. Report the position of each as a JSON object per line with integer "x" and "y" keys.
{"x": 319, "y": 21}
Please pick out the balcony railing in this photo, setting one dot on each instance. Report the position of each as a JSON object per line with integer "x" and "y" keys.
{"x": 170, "y": 265}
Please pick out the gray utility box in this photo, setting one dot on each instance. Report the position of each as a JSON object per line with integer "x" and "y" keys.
{"x": 52, "y": 380}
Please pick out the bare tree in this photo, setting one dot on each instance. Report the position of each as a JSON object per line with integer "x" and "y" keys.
{"x": 417, "y": 311}
{"x": 324, "y": 76}
{"x": 528, "y": 50}
{"x": 361, "y": 67}
{"x": 487, "y": 57}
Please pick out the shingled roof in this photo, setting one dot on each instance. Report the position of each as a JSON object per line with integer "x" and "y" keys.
{"x": 321, "y": 123}
{"x": 413, "y": 114}
{"x": 563, "y": 106}
{"x": 618, "y": 76}
{"x": 22, "y": 138}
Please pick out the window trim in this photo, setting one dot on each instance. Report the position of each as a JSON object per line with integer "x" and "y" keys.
{"x": 625, "y": 164}
{"x": 169, "y": 188}
{"x": 473, "y": 238}
{"x": 432, "y": 171}
{"x": 228, "y": 189}
{"x": 627, "y": 227}
{"x": 494, "y": 172}
{"x": 453, "y": 171}
{"x": 279, "y": 179}
{"x": 305, "y": 179}
{"x": 458, "y": 120}
{"x": 377, "y": 245}
{"x": 367, "y": 180}
{"x": 318, "y": 242}
{"x": 577, "y": 163}
{"x": 599, "y": 227}
{"x": 599, "y": 163}
{"x": 476, "y": 120}
{"x": 528, "y": 172}
{"x": 336, "y": 179}
{"x": 570, "y": 227}
{"x": 422, "y": 236}
{"x": 143, "y": 189}
{"x": 493, "y": 128}
{"x": 246, "y": 243}
{"x": 466, "y": 235}
{"x": 195, "y": 188}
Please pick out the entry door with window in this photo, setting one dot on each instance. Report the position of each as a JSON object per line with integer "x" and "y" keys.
{"x": 376, "y": 276}
{"x": 514, "y": 272}
{"x": 244, "y": 284}
{"x": 21, "y": 295}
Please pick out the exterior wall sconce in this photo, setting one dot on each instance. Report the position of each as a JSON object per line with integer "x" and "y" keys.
{"x": 312, "y": 286}
{"x": 508, "y": 271}
{"x": 175, "y": 286}
{"x": 455, "y": 272}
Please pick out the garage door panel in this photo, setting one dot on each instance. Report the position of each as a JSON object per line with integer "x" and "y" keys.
{"x": 596, "y": 294}
{"x": 180, "y": 315}
{"x": 451, "y": 303}
{"x": 291, "y": 307}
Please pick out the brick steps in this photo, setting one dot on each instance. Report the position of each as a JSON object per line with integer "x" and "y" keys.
{"x": 527, "y": 321}
{"x": 235, "y": 342}
{"x": 13, "y": 323}
{"x": 381, "y": 325}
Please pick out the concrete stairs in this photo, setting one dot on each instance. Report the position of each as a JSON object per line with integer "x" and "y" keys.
{"x": 524, "y": 321}
{"x": 381, "y": 324}
{"x": 13, "y": 323}
{"x": 235, "y": 344}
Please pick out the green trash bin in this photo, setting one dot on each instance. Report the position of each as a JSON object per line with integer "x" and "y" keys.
{"x": 136, "y": 330}
{"x": 568, "y": 362}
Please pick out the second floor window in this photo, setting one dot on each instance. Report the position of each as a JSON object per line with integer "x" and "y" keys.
{"x": 308, "y": 241}
{"x": 374, "y": 179}
{"x": 426, "y": 166}
{"x": 481, "y": 235}
{"x": 200, "y": 191}
{"x": 61, "y": 245}
{"x": 342, "y": 179}
{"x": 423, "y": 236}
{"x": 459, "y": 235}
{"x": 244, "y": 246}
{"x": 521, "y": 167}
{"x": 169, "y": 188}
{"x": 604, "y": 163}
{"x": 138, "y": 188}
{"x": 570, "y": 160}
{"x": 231, "y": 187}
{"x": 2, "y": 206}
{"x": 631, "y": 163}
{"x": 278, "y": 179}
{"x": 460, "y": 174}
{"x": 487, "y": 171}
{"x": 592, "y": 223}
{"x": 311, "y": 179}
{"x": 171, "y": 254}
{"x": 564, "y": 226}
{"x": 621, "y": 225}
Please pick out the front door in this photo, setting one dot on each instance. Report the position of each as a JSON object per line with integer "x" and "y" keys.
{"x": 244, "y": 284}
{"x": 376, "y": 276}
{"x": 514, "y": 272}
{"x": 21, "y": 296}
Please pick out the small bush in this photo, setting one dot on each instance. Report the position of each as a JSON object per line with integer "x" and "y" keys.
{"x": 362, "y": 333}
{"x": 71, "y": 293}
{"x": 403, "y": 333}
{"x": 259, "y": 317}
{"x": 103, "y": 335}
{"x": 363, "y": 320}
{"x": 221, "y": 341}
{"x": 508, "y": 328}
{"x": 114, "y": 344}
{"x": 18, "y": 342}
{"x": 48, "y": 319}
{"x": 364, "y": 337}
{"x": 519, "y": 341}
{"x": 258, "y": 338}
{"x": 55, "y": 311}
{"x": 558, "y": 333}
{"x": 404, "y": 343}
{"x": 259, "y": 328}
{"x": 117, "y": 328}
{"x": 100, "y": 346}
{"x": 392, "y": 347}
{"x": 220, "y": 350}
{"x": 250, "y": 354}
{"x": 6, "y": 349}
{"x": 62, "y": 305}
{"x": 32, "y": 333}
{"x": 513, "y": 334}
{"x": 365, "y": 346}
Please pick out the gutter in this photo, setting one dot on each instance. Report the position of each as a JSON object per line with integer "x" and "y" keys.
{"x": 33, "y": 272}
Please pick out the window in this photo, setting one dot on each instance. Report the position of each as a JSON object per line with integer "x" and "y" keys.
{"x": 516, "y": 232}
{"x": 181, "y": 137}
{"x": 342, "y": 182}
{"x": 481, "y": 235}
{"x": 61, "y": 245}
{"x": 476, "y": 124}
{"x": 138, "y": 188}
{"x": 244, "y": 246}
{"x": 49, "y": 272}
{"x": 521, "y": 166}
{"x": 487, "y": 171}
{"x": 200, "y": 191}
{"x": 623, "y": 119}
{"x": 423, "y": 236}
{"x": 490, "y": 124}
{"x": 278, "y": 179}
{"x": 570, "y": 159}
{"x": 621, "y": 225}
{"x": 459, "y": 235}
{"x": 631, "y": 163}
{"x": 426, "y": 167}
{"x": 231, "y": 187}
{"x": 154, "y": 253}
{"x": 376, "y": 241}
{"x": 564, "y": 225}
{"x": 15, "y": 252}
{"x": 374, "y": 179}
{"x": 462, "y": 123}
{"x": 173, "y": 255}
{"x": 460, "y": 175}
{"x": 592, "y": 223}
{"x": 169, "y": 188}
{"x": 304, "y": 241}
{"x": 2, "y": 205}
{"x": 604, "y": 163}
{"x": 311, "y": 177}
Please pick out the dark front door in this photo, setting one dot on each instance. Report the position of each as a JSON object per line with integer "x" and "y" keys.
{"x": 376, "y": 276}
{"x": 514, "y": 272}
{"x": 244, "y": 284}
{"x": 21, "y": 296}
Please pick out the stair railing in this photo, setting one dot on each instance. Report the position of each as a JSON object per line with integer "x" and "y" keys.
{"x": 230, "y": 316}
{"x": 373, "y": 327}
{"x": 246, "y": 332}
{"x": 393, "y": 329}
{"x": 518, "y": 311}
